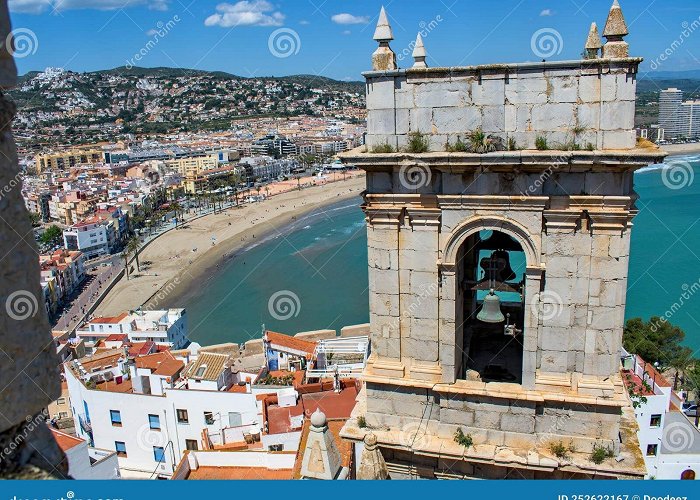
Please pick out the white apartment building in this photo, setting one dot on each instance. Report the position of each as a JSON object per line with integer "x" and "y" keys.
{"x": 676, "y": 117}
{"x": 85, "y": 462}
{"x": 669, "y": 441}
{"x": 91, "y": 237}
{"x": 150, "y": 417}
{"x": 165, "y": 328}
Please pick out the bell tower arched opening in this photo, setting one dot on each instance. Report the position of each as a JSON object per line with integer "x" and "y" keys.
{"x": 491, "y": 273}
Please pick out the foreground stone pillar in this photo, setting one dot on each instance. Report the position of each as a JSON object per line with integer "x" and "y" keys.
{"x": 29, "y": 373}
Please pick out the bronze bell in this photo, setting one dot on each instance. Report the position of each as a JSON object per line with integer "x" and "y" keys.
{"x": 491, "y": 310}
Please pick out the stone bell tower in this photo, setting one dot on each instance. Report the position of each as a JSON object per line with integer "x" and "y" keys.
{"x": 499, "y": 207}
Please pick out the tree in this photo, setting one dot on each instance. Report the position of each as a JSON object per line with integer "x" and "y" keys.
{"x": 52, "y": 236}
{"x": 34, "y": 218}
{"x": 132, "y": 247}
{"x": 655, "y": 340}
{"x": 692, "y": 382}
{"x": 125, "y": 256}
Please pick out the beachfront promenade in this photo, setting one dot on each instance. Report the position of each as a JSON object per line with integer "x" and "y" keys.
{"x": 177, "y": 257}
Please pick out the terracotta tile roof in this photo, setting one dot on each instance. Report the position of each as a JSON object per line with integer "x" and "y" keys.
{"x": 279, "y": 340}
{"x": 142, "y": 348}
{"x": 334, "y": 405}
{"x": 110, "y": 320}
{"x": 344, "y": 447}
{"x": 108, "y": 358}
{"x": 162, "y": 363}
{"x": 117, "y": 337}
{"x": 239, "y": 473}
{"x": 125, "y": 387}
{"x": 213, "y": 364}
{"x": 65, "y": 441}
{"x": 279, "y": 420}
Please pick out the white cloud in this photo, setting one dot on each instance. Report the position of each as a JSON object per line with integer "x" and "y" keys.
{"x": 245, "y": 13}
{"x": 547, "y": 13}
{"x": 350, "y": 19}
{"x": 347, "y": 32}
{"x": 41, "y": 6}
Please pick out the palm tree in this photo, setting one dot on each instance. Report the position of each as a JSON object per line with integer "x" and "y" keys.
{"x": 125, "y": 255}
{"x": 133, "y": 246}
{"x": 177, "y": 208}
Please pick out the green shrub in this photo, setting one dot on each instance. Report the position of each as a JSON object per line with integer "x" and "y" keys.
{"x": 383, "y": 148}
{"x": 560, "y": 450}
{"x": 417, "y": 143}
{"x": 361, "y": 422}
{"x": 541, "y": 143}
{"x": 462, "y": 439}
{"x": 458, "y": 147}
{"x": 512, "y": 145}
{"x": 600, "y": 453}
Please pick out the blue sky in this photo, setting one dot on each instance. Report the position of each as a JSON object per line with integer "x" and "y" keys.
{"x": 334, "y": 37}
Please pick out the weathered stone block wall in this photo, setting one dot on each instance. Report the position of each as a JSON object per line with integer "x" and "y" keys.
{"x": 589, "y": 101}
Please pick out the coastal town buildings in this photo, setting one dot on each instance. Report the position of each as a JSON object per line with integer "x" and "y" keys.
{"x": 668, "y": 439}
{"x": 498, "y": 273}
{"x": 166, "y": 328}
{"x": 86, "y": 462}
{"x": 62, "y": 160}
{"x": 678, "y": 118}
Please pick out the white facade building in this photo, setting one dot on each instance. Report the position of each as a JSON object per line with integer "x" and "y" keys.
{"x": 93, "y": 239}
{"x": 166, "y": 328}
{"x": 669, "y": 441}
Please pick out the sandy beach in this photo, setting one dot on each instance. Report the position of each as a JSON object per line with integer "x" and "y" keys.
{"x": 681, "y": 149}
{"x": 175, "y": 263}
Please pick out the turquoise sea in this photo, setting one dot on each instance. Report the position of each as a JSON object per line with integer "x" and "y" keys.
{"x": 314, "y": 275}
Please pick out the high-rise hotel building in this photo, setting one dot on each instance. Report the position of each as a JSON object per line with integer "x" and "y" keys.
{"x": 678, "y": 118}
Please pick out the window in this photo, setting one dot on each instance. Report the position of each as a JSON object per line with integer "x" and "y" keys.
{"x": 208, "y": 418}
{"x": 61, "y": 401}
{"x": 276, "y": 447}
{"x": 655, "y": 421}
{"x": 200, "y": 371}
{"x": 116, "y": 417}
{"x": 158, "y": 454}
{"x": 652, "y": 450}
{"x": 182, "y": 417}
{"x": 120, "y": 447}
{"x": 235, "y": 419}
{"x": 154, "y": 422}
{"x": 191, "y": 444}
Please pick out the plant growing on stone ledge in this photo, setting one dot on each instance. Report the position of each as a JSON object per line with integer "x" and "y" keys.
{"x": 600, "y": 453}
{"x": 541, "y": 143}
{"x": 512, "y": 144}
{"x": 362, "y": 422}
{"x": 479, "y": 142}
{"x": 417, "y": 143}
{"x": 383, "y": 148}
{"x": 560, "y": 450}
{"x": 458, "y": 147}
{"x": 462, "y": 439}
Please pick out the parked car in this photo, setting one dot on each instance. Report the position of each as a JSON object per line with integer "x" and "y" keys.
{"x": 690, "y": 409}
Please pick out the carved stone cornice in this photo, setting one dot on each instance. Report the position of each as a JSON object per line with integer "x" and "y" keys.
{"x": 562, "y": 220}
{"x": 606, "y": 222}
{"x": 424, "y": 217}
{"x": 384, "y": 216}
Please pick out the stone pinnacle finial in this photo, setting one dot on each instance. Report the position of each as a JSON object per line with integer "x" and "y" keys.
{"x": 615, "y": 31}
{"x": 372, "y": 465}
{"x": 384, "y": 59}
{"x": 383, "y": 33}
{"x": 594, "y": 43}
{"x": 419, "y": 53}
